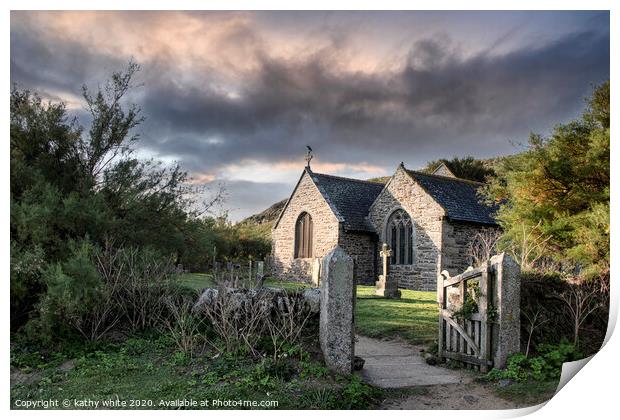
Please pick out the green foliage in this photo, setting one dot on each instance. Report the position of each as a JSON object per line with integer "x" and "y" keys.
{"x": 319, "y": 398}
{"x": 547, "y": 365}
{"x": 554, "y": 197}
{"x": 148, "y": 366}
{"x": 357, "y": 394}
{"x": 74, "y": 288}
{"x": 27, "y": 265}
{"x": 310, "y": 369}
{"x": 70, "y": 182}
{"x": 470, "y": 305}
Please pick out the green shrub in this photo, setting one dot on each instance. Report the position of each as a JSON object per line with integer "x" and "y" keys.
{"x": 77, "y": 299}
{"x": 357, "y": 394}
{"x": 320, "y": 398}
{"x": 27, "y": 265}
{"x": 96, "y": 290}
{"x": 546, "y": 365}
{"x": 540, "y": 291}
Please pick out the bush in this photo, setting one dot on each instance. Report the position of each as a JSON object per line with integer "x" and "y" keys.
{"x": 77, "y": 298}
{"x": 27, "y": 265}
{"x": 97, "y": 290}
{"x": 540, "y": 293}
{"x": 356, "y": 394}
{"x": 547, "y": 365}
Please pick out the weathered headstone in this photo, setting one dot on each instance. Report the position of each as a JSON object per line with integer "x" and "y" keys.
{"x": 507, "y": 307}
{"x": 260, "y": 269}
{"x": 316, "y": 272}
{"x": 336, "y": 327}
{"x": 387, "y": 286}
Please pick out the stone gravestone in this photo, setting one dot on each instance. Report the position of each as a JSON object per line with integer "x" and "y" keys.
{"x": 260, "y": 269}
{"x": 316, "y": 272}
{"x": 387, "y": 286}
{"x": 337, "y": 326}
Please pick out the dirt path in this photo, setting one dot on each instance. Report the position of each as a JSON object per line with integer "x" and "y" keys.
{"x": 398, "y": 365}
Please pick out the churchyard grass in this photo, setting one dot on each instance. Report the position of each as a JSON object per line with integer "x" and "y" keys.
{"x": 200, "y": 281}
{"x": 413, "y": 317}
{"x": 148, "y": 372}
{"x": 197, "y": 281}
{"x": 527, "y": 393}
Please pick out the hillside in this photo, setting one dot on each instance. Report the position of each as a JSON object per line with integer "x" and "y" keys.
{"x": 267, "y": 216}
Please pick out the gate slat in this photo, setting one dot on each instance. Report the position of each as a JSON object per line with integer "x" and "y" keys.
{"x": 467, "y": 340}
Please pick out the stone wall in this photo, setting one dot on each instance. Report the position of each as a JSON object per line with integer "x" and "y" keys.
{"x": 457, "y": 237}
{"x": 361, "y": 247}
{"x": 307, "y": 198}
{"x": 403, "y": 192}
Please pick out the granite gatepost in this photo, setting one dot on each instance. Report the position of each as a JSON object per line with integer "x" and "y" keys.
{"x": 507, "y": 273}
{"x": 337, "y": 325}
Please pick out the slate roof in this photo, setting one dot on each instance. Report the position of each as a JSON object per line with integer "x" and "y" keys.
{"x": 459, "y": 197}
{"x": 350, "y": 198}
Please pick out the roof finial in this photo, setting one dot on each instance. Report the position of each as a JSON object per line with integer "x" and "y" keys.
{"x": 309, "y": 156}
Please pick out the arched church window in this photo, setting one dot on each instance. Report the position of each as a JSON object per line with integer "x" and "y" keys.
{"x": 303, "y": 236}
{"x": 400, "y": 237}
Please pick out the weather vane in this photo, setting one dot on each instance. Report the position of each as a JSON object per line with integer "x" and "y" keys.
{"x": 309, "y": 156}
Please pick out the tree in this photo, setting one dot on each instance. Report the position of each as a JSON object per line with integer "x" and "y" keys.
{"x": 73, "y": 185}
{"x": 557, "y": 193}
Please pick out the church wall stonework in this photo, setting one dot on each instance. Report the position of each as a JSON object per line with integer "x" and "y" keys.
{"x": 361, "y": 248}
{"x": 457, "y": 237}
{"x": 427, "y": 216}
{"x": 439, "y": 243}
{"x": 307, "y": 198}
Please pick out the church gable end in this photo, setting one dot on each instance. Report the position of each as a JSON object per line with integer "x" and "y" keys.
{"x": 419, "y": 270}
{"x": 318, "y": 230}
{"x": 443, "y": 170}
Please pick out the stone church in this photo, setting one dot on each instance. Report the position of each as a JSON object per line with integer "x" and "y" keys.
{"x": 428, "y": 221}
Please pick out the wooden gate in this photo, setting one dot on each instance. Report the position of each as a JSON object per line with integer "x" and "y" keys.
{"x": 466, "y": 315}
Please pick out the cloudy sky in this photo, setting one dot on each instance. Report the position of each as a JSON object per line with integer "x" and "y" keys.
{"x": 235, "y": 96}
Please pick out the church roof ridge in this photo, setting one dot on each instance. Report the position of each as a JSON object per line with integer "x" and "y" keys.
{"x": 450, "y": 178}
{"x": 349, "y": 179}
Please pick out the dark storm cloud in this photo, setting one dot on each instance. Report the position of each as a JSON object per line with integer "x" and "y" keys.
{"x": 439, "y": 101}
{"x": 42, "y": 63}
{"x": 438, "y": 105}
